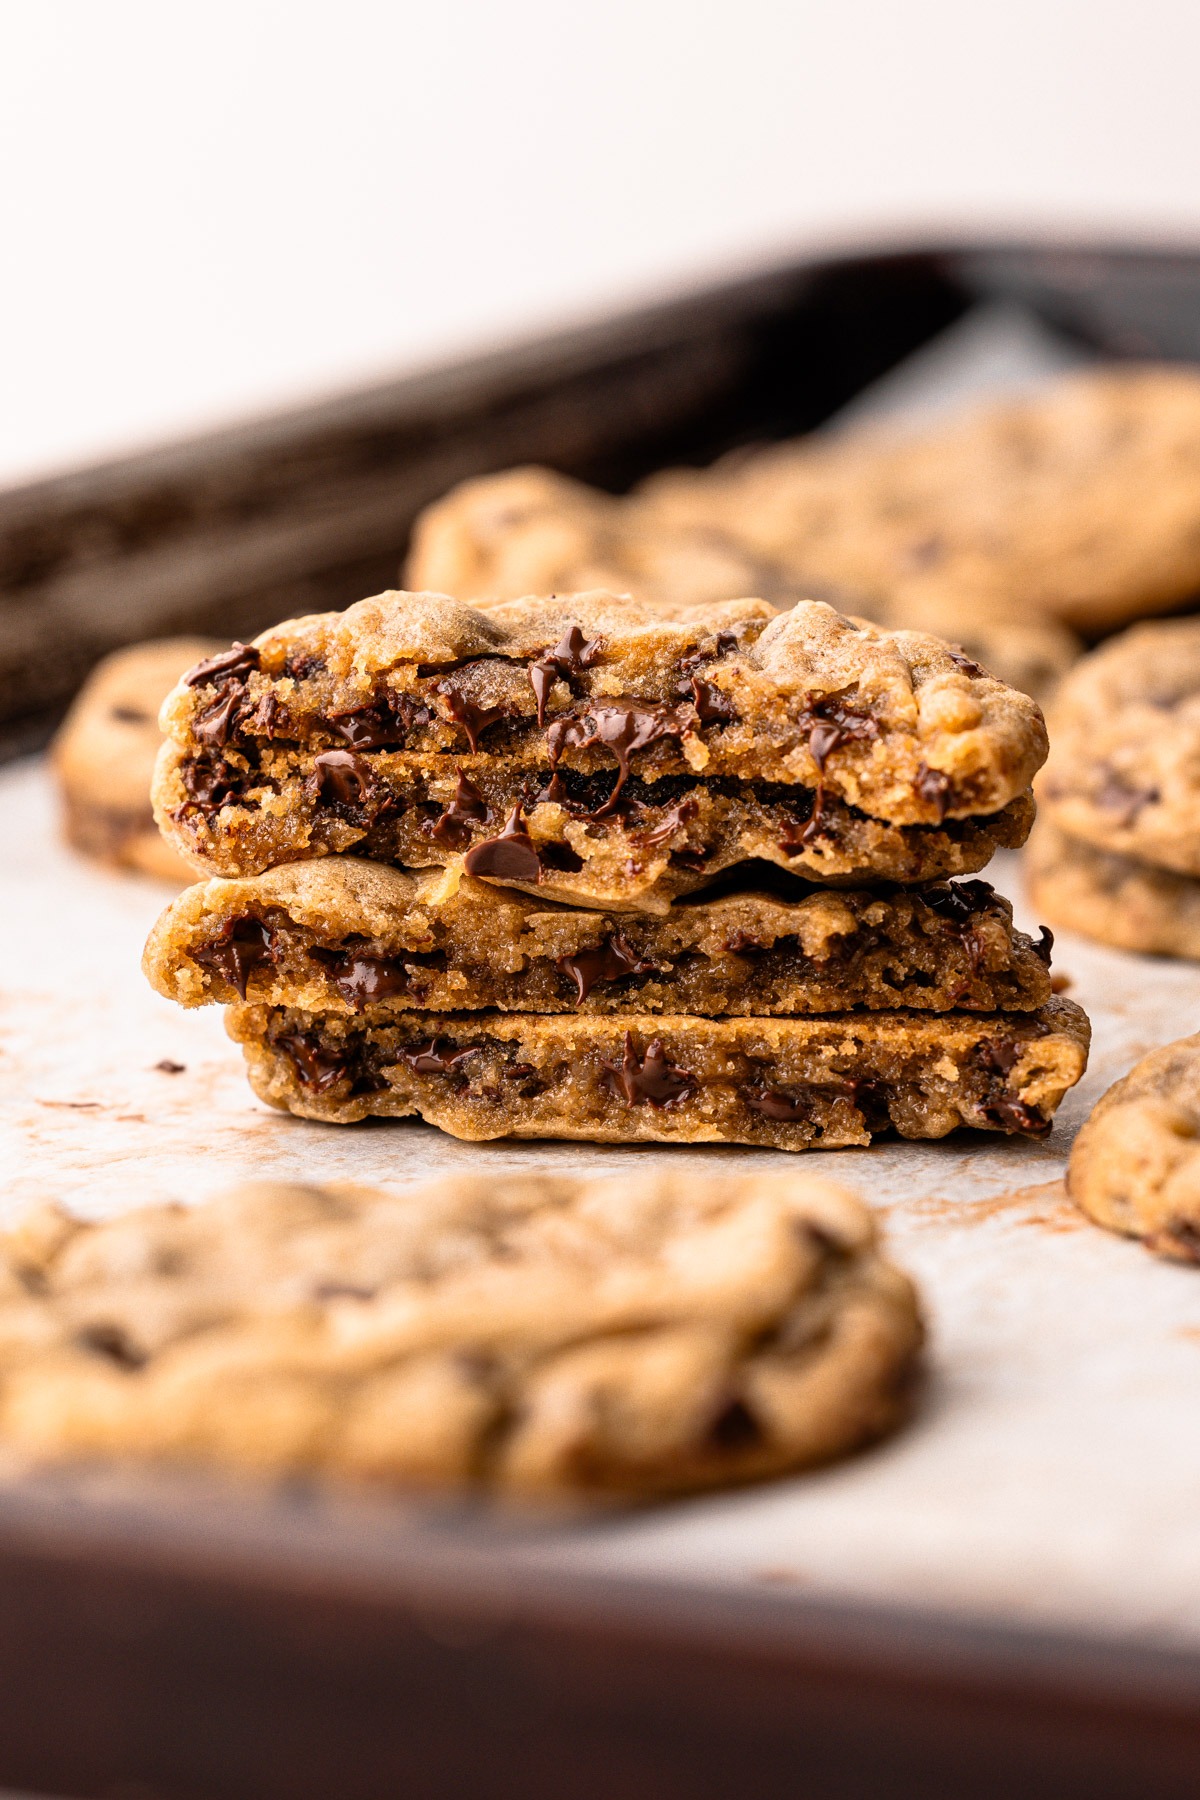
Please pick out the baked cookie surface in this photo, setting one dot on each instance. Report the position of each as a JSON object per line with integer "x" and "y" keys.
{"x": 527, "y": 1335}
{"x": 1135, "y": 1166}
{"x": 794, "y": 1084}
{"x": 650, "y": 753}
{"x": 1124, "y": 770}
{"x": 338, "y": 934}
{"x": 104, "y": 753}
{"x": 1114, "y": 899}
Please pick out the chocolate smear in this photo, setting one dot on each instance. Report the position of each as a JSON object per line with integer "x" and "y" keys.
{"x": 209, "y": 782}
{"x": 542, "y": 678}
{"x": 383, "y": 725}
{"x": 649, "y": 1077}
{"x": 243, "y": 945}
{"x": 317, "y": 1067}
{"x": 473, "y": 719}
{"x": 218, "y": 721}
{"x": 512, "y": 856}
{"x": 343, "y": 777}
{"x": 239, "y": 660}
{"x": 362, "y": 978}
{"x": 614, "y": 959}
{"x": 468, "y": 807}
{"x": 713, "y": 705}
{"x": 960, "y": 900}
{"x": 672, "y": 823}
{"x": 621, "y": 726}
{"x": 777, "y": 1104}
{"x": 438, "y": 1056}
{"x": 570, "y": 656}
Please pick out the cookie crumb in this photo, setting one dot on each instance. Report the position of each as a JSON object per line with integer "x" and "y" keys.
{"x": 166, "y": 1066}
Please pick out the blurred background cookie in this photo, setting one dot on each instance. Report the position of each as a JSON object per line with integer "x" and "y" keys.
{"x": 103, "y": 756}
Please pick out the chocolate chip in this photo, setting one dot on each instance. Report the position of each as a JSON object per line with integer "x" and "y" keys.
{"x": 713, "y": 705}
{"x": 573, "y": 652}
{"x": 554, "y": 793}
{"x": 960, "y": 900}
{"x": 998, "y": 1055}
{"x": 831, "y": 723}
{"x": 621, "y": 726}
{"x": 269, "y": 719}
{"x": 473, "y": 719}
{"x": 243, "y": 944}
{"x": 742, "y": 944}
{"x": 1013, "y": 1114}
{"x": 165, "y": 1066}
{"x": 468, "y": 807}
{"x": 113, "y": 1342}
{"x": 966, "y": 663}
{"x": 383, "y": 725}
{"x": 932, "y": 786}
{"x": 512, "y": 856}
{"x": 218, "y": 722}
{"x": 317, "y": 1067}
{"x": 735, "y": 1427}
{"x": 303, "y": 665}
{"x": 672, "y": 823}
{"x": 560, "y": 858}
{"x": 239, "y": 660}
{"x": 343, "y": 777}
{"x": 775, "y": 1103}
{"x": 1044, "y": 946}
{"x": 615, "y": 958}
{"x": 1115, "y": 795}
{"x": 362, "y": 978}
{"x": 438, "y": 1056}
{"x": 209, "y": 782}
{"x": 542, "y": 678}
{"x": 647, "y": 1077}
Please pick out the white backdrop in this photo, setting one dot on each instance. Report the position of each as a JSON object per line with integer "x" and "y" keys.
{"x": 208, "y": 210}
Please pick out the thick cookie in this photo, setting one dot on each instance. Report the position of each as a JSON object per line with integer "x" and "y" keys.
{"x": 1135, "y": 1166}
{"x": 530, "y": 531}
{"x": 791, "y": 1083}
{"x": 1124, "y": 771}
{"x": 1082, "y": 502}
{"x": 105, "y": 750}
{"x": 528, "y": 1335}
{"x": 1112, "y": 898}
{"x": 611, "y": 751}
{"x": 340, "y": 935}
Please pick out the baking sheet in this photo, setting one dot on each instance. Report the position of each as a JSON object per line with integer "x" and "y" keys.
{"x": 1053, "y": 1473}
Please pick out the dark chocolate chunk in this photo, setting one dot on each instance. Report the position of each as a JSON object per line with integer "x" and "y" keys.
{"x": 959, "y": 900}
{"x": 1013, "y": 1114}
{"x": 468, "y": 807}
{"x": 269, "y": 719}
{"x": 932, "y": 786}
{"x": 998, "y": 1055}
{"x": 1044, "y": 945}
{"x": 239, "y": 660}
{"x": 777, "y": 1104}
{"x": 362, "y": 978}
{"x": 218, "y": 722}
{"x": 621, "y": 726}
{"x": 672, "y": 823}
{"x": 473, "y": 719}
{"x": 647, "y": 1077}
{"x": 343, "y": 777}
{"x": 383, "y": 725}
{"x": 438, "y": 1056}
{"x": 317, "y": 1066}
{"x": 570, "y": 656}
{"x": 209, "y": 782}
{"x": 713, "y": 705}
{"x": 560, "y": 857}
{"x": 112, "y": 1341}
{"x": 554, "y": 792}
{"x": 243, "y": 944}
{"x": 831, "y": 723}
{"x": 303, "y": 664}
{"x": 512, "y": 856}
{"x": 615, "y": 958}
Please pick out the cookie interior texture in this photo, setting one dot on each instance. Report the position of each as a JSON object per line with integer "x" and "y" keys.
{"x": 339, "y": 934}
{"x": 272, "y": 741}
{"x": 104, "y": 753}
{"x": 1122, "y": 771}
{"x": 530, "y": 531}
{"x": 1135, "y": 1166}
{"x": 1114, "y": 899}
{"x": 791, "y": 1083}
{"x": 528, "y": 1335}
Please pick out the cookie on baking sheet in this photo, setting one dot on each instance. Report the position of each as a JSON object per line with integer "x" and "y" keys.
{"x": 794, "y": 1084}
{"x": 1124, "y": 766}
{"x": 103, "y": 756}
{"x": 1114, "y": 899}
{"x": 526, "y": 1334}
{"x": 1135, "y": 1166}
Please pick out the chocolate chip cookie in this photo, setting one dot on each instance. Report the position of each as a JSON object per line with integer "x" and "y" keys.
{"x": 1114, "y": 899}
{"x": 614, "y": 757}
{"x": 338, "y": 934}
{"x": 104, "y": 756}
{"x": 525, "y": 1335}
{"x": 792, "y": 1083}
{"x": 1135, "y": 1166}
{"x": 1124, "y": 771}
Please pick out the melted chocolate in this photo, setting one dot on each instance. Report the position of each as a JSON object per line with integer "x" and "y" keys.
{"x": 362, "y": 978}
{"x": 1044, "y": 945}
{"x": 468, "y": 807}
{"x": 570, "y": 656}
{"x": 932, "y": 786}
{"x": 218, "y": 722}
{"x": 209, "y": 782}
{"x": 621, "y": 726}
{"x": 269, "y": 719}
{"x": 713, "y": 705}
{"x": 244, "y": 944}
{"x": 437, "y": 1057}
{"x": 317, "y": 1067}
{"x": 383, "y": 725}
{"x": 343, "y": 777}
{"x": 512, "y": 856}
{"x": 303, "y": 664}
{"x": 542, "y": 678}
{"x": 615, "y": 958}
{"x": 672, "y": 823}
{"x": 473, "y": 719}
{"x": 960, "y": 900}
{"x": 1012, "y": 1114}
{"x": 649, "y": 1078}
{"x": 776, "y": 1104}
{"x": 742, "y": 944}
{"x": 238, "y": 661}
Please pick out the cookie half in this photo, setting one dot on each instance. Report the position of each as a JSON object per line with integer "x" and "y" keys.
{"x": 526, "y": 1335}
{"x": 340, "y": 935}
{"x": 791, "y": 1083}
{"x": 1135, "y": 1166}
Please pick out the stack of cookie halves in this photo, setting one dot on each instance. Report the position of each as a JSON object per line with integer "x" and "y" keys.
{"x": 565, "y": 868}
